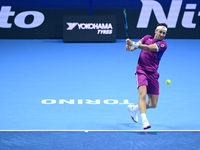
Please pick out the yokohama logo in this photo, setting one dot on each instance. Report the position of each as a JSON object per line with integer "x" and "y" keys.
{"x": 89, "y": 26}
{"x": 102, "y": 28}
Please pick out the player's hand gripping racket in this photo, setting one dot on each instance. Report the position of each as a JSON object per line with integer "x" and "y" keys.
{"x": 125, "y": 23}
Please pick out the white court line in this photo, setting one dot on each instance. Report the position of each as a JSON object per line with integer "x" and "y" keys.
{"x": 102, "y": 130}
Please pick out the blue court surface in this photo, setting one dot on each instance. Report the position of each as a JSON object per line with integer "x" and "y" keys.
{"x": 48, "y": 86}
{"x": 59, "y": 140}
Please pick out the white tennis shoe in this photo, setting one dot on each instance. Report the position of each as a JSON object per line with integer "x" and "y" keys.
{"x": 133, "y": 111}
{"x": 146, "y": 124}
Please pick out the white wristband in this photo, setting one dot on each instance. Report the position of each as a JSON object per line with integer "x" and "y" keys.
{"x": 135, "y": 44}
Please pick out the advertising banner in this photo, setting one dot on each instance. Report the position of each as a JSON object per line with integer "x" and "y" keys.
{"x": 28, "y": 23}
{"x": 89, "y": 29}
{"x": 35, "y": 20}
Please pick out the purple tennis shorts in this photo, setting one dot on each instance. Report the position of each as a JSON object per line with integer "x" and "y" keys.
{"x": 149, "y": 79}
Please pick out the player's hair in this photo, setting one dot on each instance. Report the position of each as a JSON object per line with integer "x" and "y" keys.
{"x": 162, "y": 24}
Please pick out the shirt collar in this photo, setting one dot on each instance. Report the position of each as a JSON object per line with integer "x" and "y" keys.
{"x": 157, "y": 40}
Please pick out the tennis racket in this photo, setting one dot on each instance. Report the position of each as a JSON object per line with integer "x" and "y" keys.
{"x": 125, "y": 23}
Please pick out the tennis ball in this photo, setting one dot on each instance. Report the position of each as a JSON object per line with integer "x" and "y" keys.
{"x": 168, "y": 82}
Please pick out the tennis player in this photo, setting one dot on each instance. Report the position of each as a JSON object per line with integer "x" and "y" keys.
{"x": 147, "y": 74}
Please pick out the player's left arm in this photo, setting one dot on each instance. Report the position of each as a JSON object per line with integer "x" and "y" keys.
{"x": 129, "y": 46}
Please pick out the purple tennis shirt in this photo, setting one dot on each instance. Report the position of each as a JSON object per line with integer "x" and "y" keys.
{"x": 149, "y": 60}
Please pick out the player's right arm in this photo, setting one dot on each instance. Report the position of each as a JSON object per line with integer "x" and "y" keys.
{"x": 134, "y": 45}
{"x": 151, "y": 47}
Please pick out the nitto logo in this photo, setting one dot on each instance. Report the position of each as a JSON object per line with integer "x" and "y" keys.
{"x": 19, "y": 20}
{"x": 102, "y": 28}
{"x": 153, "y": 6}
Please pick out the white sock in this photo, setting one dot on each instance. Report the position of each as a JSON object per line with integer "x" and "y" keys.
{"x": 144, "y": 117}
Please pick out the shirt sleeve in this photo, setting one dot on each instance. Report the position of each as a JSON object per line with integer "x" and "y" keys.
{"x": 142, "y": 41}
{"x": 162, "y": 46}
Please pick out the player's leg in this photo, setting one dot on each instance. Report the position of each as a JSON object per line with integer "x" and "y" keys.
{"x": 152, "y": 101}
{"x": 142, "y": 106}
{"x": 142, "y": 82}
{"x": 153, "y": 92}
{"x": 142, "y": 98}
